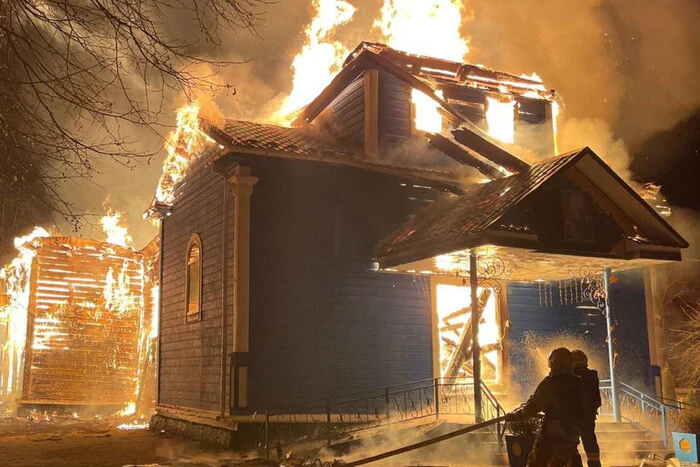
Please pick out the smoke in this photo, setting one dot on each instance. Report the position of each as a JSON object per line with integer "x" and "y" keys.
{"x": 623, "y": 69}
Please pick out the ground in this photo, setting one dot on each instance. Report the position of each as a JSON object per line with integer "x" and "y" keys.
{"x": 83, "y": 443}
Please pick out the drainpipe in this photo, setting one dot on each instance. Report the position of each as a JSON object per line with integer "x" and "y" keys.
{"x": 224, "y": 304}
{"x": 611, "y": 348}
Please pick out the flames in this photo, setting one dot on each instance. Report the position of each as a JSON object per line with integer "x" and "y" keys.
{"x": 500, "y": 117}
{"x": 427, "y": 116}
{"x": 319, "y": 59}
{"x": 114, "y": 227}
{"x": 423, "y": 27}
{"x": 15, "y": 280}
{"x": 86, "y": 298}
{"x": 183, "y": 145}
{"x": 454, "y": 320}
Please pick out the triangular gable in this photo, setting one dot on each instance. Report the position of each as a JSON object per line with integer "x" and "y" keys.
{"x": 472, "y": 220}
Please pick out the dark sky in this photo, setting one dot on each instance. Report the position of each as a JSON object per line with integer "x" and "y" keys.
{"x": 625, "y": 69}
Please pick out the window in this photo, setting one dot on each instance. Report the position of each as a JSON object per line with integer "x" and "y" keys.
{"x": 193, "y": 285}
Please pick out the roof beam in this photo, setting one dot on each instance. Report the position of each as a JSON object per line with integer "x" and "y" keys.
{"x": 463, "y": 155}
{"x": 489, "y": 150}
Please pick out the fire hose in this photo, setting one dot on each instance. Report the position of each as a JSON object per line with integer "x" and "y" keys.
{"x": 428, "y": 442}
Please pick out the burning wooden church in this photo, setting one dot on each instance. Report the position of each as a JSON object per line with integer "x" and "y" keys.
{"x": 351, "y": 251}
{"x": 75, "y": 323}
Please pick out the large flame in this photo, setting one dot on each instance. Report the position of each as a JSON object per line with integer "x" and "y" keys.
{"x": 319, "y": 58}
{"x": 439, "y": 22}
{"x": 184, "y": 144}
{"x": 114, "y": 227}
{"x": 454, "y": 319}
{"x": 15, "y": 278}
{"x": 500, "y": 117}
{"x": 424, "y": 27}
{"x": 427, "y": 115}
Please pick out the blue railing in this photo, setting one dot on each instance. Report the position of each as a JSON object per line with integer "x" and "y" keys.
{"x": 647, "y": 412}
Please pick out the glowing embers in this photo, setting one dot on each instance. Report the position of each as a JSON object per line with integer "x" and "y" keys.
{"x": 423, "y": 27}
{"x": 500, "y": 117}
{"x": 427, "y": 116}
{"x": 454, "y": 332}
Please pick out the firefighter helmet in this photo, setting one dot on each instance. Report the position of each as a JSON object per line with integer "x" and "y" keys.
{"x": 560, "y": 360}
{"x": 580, "y": 358}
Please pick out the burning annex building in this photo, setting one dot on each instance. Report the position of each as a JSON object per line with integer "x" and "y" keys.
{"x": 75, "y": 323}
{"x": 349, "y": 252}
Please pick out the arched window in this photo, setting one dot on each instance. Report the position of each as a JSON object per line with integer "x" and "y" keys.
{"x": 193, "y": 287}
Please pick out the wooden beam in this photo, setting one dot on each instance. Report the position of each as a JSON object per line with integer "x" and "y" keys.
{"x": 489, "y": 150}
{"x": 463, "y": 155}
{"x": 371, "y": 83}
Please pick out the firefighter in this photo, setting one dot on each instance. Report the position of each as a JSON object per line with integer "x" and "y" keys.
{"x": 592, "y": 388}
{"x": 560, "y": 396}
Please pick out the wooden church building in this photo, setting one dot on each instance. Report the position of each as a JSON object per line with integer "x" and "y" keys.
{"x": 333, "y": 256}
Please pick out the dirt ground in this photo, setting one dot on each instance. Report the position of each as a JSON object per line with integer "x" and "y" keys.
{"x": 83, "y": 443}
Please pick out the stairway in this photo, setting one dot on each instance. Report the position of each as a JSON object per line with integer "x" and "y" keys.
{"x": 625, "y": 444}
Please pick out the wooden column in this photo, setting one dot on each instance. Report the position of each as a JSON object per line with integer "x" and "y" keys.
{"x": 371, "y": 82}
{"x": 611, "y": 348}
{"x": 476, "y": 348}
{"x": 242, "y": 184}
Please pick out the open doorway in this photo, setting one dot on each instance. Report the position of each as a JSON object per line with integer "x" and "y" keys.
{"x": 452, "y": 321}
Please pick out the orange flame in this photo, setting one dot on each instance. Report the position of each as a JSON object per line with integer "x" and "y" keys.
{"x": 184, "y": 145}
{"x": 422, "y": 27}
{"x": 113, "y": 226}
{"x": 14, "y": 313}
{"x": 500, "y": 117}
{"x": 319, "y": 58}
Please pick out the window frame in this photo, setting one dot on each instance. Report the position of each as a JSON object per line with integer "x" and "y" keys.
{"x": 192, "y": 318}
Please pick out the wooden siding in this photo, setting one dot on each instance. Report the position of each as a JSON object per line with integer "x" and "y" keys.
{"x": 322, "y": 323}
{"x": 190, "y": 354}
{"x": 394, "y": 109}
{"x": 345, "y": 115}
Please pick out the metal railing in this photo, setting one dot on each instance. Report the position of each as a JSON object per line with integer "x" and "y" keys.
{"x": 647, "y": 412}
{"x": 381, "y": 410}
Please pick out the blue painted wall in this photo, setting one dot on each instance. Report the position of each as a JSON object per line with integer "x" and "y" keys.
{"x": 538, "y": 325}
{"x": 322, "y": 323}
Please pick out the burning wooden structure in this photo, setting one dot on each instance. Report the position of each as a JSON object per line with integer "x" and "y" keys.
{"x": 74, "y": 323}
{"x": 351, "y": 252}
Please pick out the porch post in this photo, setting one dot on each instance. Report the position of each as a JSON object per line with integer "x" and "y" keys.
{"x": 476, "y": 348}
{"x": 242, "y": 184}
{"x": 611, "y": 348}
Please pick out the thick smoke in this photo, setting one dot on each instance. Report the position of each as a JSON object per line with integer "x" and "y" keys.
{"x": 623, "y": 70}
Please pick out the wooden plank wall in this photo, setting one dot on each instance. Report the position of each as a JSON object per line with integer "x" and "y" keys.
{"x": 568, "y": 325}
{"x": 80, "y": 350}
{"x": 394, "y": 111}
{"x": 344, "y": 117}
{"x": 322, "y": 323}
{"x": 190, "y": 354}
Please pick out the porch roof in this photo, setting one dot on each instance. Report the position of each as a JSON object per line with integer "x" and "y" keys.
{"x": 440, "y": 239}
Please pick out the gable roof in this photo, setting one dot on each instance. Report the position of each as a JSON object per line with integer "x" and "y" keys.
{"x": 457, "y": 223}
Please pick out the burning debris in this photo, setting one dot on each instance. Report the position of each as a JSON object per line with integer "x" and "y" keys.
{"x": 75, "y": 326}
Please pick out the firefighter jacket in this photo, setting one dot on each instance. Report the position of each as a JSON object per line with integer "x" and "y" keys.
{"x": 592, "y": 387}
{"x": 562, "y": 400}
